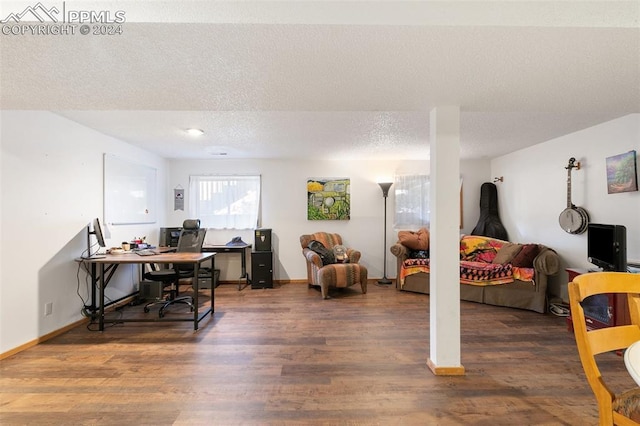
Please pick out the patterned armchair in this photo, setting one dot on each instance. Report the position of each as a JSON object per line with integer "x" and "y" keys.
{"x": 334, "y": 274}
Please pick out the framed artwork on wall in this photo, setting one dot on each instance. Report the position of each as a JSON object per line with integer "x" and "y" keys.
{"x": 622, "y": 173}
{"x": 328, "y": 199}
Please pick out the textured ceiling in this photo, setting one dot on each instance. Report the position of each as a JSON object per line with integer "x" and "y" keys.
{"x": 323, "y": 80}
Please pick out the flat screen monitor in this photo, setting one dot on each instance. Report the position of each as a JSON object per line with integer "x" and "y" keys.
{"x": 98, "y": 231}
{"x": 607, "y": 246}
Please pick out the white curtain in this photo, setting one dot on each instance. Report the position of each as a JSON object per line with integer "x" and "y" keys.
{"x": 411, "y": 202}
{"x": 224, "y": 201}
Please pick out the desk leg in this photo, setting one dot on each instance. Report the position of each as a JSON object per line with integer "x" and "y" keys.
{"x": 101, "y": 301}
{"x": 213, "y": 287}
{"x": 196, "y": 292}
{"x": 94, "y": 288}
{"x": 243, "y": 264}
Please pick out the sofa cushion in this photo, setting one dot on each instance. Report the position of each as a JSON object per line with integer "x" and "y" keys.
{"x": 415, "y": 240}
{"x": 524, "y": 259}
{"x": 507, "y": 253}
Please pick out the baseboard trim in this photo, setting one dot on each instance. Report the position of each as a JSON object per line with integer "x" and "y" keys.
{"x": 445, "y": 371}
{"x": 54, "y": 333}
{"x": 122, "y": 302}
{"x": 43, "y": 338}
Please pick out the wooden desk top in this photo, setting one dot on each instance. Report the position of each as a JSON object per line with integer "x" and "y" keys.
{"x": 157, "y": 258}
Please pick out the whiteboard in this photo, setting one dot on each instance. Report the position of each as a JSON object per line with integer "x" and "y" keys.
{"x": 129, "y": 192}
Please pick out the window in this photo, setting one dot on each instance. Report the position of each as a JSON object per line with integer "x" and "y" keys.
{"x": 411, "y": 202}
{"x": 225, "y": 202}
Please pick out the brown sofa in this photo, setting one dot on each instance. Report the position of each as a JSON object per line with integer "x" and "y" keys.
{"x": 515, "y": 294}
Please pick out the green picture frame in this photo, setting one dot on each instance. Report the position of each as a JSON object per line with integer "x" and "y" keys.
{"x": 328, "y": 199}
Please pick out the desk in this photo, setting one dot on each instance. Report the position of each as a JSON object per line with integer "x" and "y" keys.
{"x": 632, "y": 361}
{"x": 242, "y": 249}
{"x": 110, "y": 262}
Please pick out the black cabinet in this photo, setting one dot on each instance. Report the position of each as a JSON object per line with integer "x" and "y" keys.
{"x": 262, "y": 269}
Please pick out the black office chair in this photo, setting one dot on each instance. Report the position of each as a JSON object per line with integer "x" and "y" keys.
{"x": 190, "y": 241}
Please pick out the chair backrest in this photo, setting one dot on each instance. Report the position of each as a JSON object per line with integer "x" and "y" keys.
{"x": 593, "y": 342}
{"x": 191, "y": 237}
{"x": 327, "y": 239}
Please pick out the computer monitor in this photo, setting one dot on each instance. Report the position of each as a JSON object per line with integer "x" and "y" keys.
{"x": 607, "y": 246}
{"x": 98, "y": 232}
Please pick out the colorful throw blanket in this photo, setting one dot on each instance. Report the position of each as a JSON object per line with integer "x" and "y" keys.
{"x": 474, "y": 273}
{"x": 480, "y": 273}
{"x": 524, "y": 274}
{"x": 413, "y": 266}
{"x": 476, "y": 248}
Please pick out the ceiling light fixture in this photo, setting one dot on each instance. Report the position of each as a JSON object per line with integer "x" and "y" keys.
{"x": 195, "y": 132}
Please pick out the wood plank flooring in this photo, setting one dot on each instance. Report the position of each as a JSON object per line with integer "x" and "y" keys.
{"x": 284, "y": 356}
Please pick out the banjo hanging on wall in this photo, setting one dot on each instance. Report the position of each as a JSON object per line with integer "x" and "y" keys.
{"x": 573, "y": 220}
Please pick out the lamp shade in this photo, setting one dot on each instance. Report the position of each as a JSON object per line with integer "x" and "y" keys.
{"x": 385, "y": 188}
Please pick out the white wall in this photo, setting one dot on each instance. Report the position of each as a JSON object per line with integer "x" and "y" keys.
{"x": 284, "y": 208}
{"x": 51, "y": 186}
{"x": 534, "y": 191}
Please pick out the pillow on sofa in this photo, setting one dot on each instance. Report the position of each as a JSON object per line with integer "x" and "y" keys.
{"x": 415, "y": 240}
{"x": 507, "y": 253}
{"x": 524, "y": 259}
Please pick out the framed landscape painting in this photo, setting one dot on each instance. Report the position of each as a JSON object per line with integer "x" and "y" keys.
{"x": 622, "y": 173}
{"x": 328, "y": 199}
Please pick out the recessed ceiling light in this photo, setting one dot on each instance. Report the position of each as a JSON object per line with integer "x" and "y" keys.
{"x": 195, "y": 132}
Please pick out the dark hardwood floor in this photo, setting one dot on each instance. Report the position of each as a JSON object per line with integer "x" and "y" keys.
{"x": 285, "y": 356}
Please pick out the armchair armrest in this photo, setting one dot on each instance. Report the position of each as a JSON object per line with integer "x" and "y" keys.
{"x": 547, "y": 261}
{"x": 399, "y": 251}
{"x": 312, "y": 257}
{"x": 353, "y": 255}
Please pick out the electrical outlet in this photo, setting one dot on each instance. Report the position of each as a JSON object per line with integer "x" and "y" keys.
{"x": 48, "y": 308}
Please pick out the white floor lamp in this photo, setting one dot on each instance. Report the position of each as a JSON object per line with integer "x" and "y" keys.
{"x": 385, "y": 193}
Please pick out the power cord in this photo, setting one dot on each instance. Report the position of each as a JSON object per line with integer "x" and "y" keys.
{"x": 559, "y": 310}
{"x": 86, "y": 310}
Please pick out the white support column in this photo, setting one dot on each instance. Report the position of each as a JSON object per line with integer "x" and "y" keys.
{"x": 444, "y": 247}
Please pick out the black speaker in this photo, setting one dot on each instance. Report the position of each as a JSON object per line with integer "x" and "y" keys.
{"x": 262, "y": 240}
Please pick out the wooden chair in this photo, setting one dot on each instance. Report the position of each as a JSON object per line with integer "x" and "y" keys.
{"x": 622, "y": 408}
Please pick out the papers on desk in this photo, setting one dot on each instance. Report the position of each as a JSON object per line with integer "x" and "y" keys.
{"x": 146, "y": 252}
